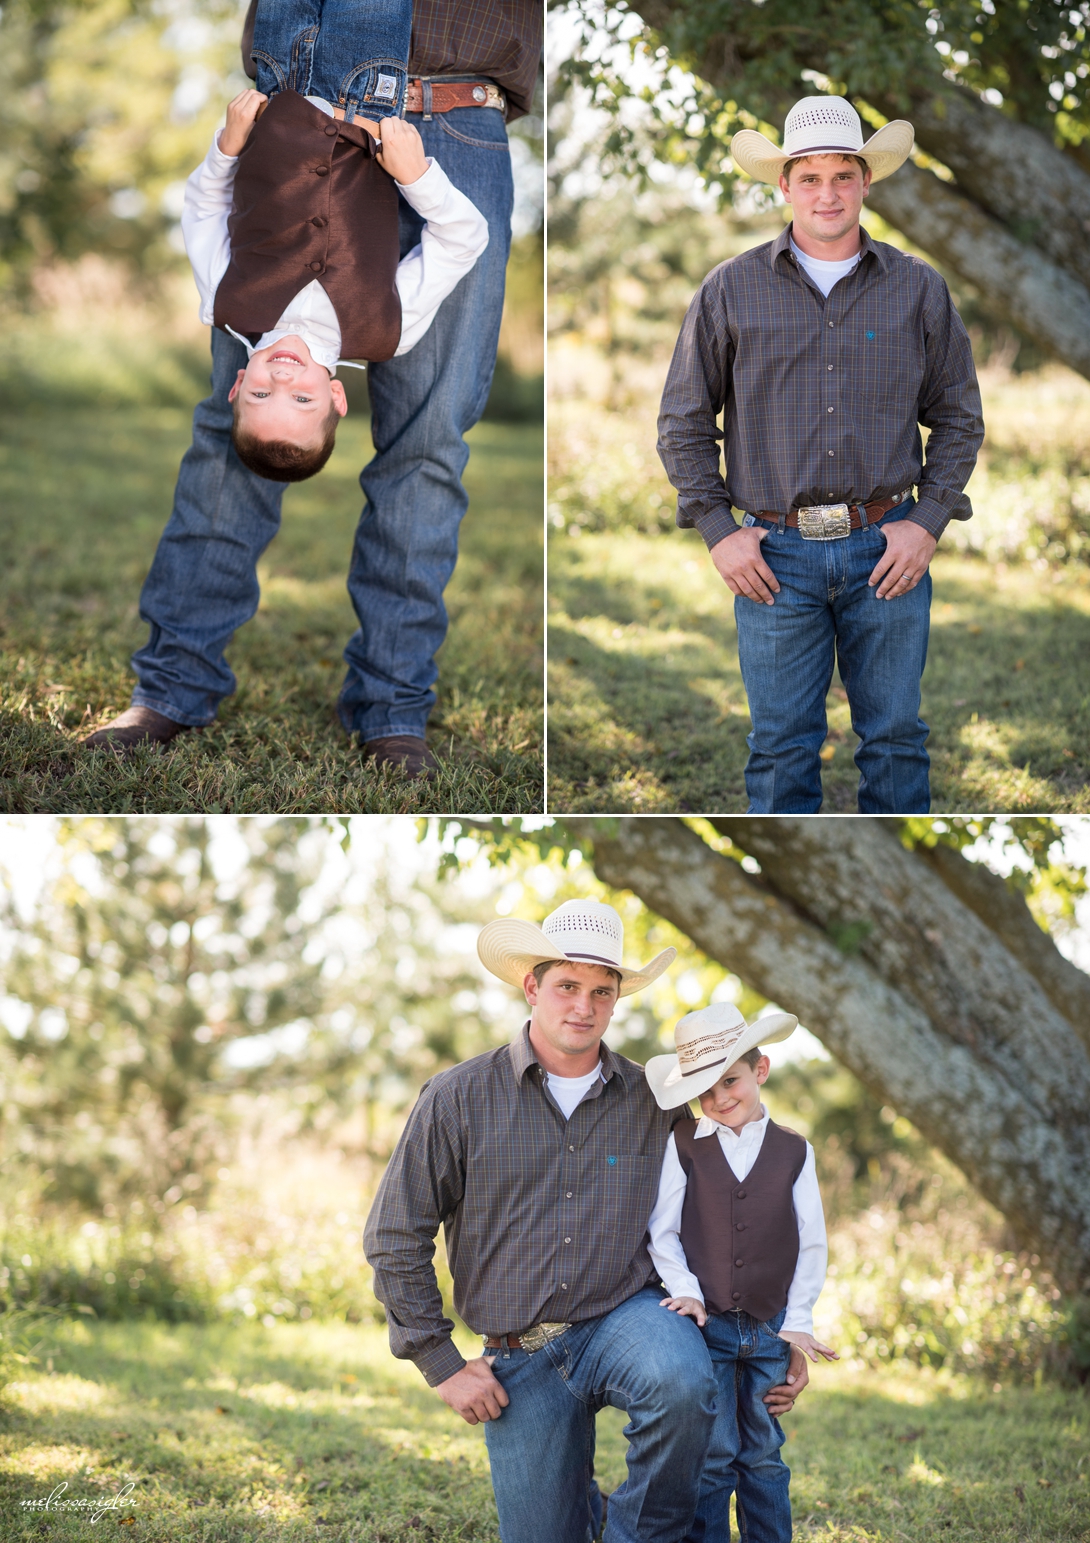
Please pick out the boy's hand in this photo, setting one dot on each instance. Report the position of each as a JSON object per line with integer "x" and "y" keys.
{"x": 809, "y": 1345}
{"x": 242, "y": 114}
{"x": 686, "y": 1307}
{"x": 402, "y": 153}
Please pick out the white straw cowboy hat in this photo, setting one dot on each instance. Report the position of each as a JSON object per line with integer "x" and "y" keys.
{"x": 822, "y": 125}
{"x": 582, "y": 931}
{"x": 708, "y": 1041}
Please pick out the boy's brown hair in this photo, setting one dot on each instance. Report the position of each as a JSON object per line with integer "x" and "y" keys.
{"x": 751, "y": 1057}
{"x": 788, "y": 166}
{"x": 278, "y": 459}
{"x": 540, "y": 970}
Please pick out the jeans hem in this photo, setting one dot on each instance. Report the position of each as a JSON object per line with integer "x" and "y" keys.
{"x": 158, "y": 705}
{"x": 384, "y": 731}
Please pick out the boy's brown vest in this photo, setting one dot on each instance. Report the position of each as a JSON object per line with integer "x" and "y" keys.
{"x": 312, "y": 202}
{"x": 741, "y": 1240}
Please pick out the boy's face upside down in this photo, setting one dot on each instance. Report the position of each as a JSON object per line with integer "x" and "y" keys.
{"x": 285, "y": 395}
{"x": 735, "y": 1099}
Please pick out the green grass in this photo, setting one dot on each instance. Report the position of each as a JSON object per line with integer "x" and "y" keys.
{"x": 86, "y": 493}
{"x": 648, "y": 713}
{"x": 232, "y": 1433}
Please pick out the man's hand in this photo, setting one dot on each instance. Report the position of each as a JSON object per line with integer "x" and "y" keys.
{"x": 474, "y": 1393}
{"x": 808, "y": 1344}
{"x": 909, "y": 550}
{"x": 686, "y": 1307}
{"x": 781, "y": 1400}
{"x": 242, "y": 114}
{"x": 739, "y": 561}
{"x": 402, "y": 153}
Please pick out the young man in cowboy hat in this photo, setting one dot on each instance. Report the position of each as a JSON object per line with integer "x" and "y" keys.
{"x": 738, "y": 1237}
{"x": 541, "y": 1160}
{"x": 825, "y": 350}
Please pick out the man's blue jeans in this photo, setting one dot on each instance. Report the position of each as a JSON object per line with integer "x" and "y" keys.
{"x": 640, "y": 1358}
{"x": 743, "y": 1458}
{"x": 826, "y": 609}
{"x": 203, "y": 581}
{"x": 354, "y": 55}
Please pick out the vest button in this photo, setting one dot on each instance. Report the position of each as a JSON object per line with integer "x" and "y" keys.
{"x": 332, "y": 132}
{"x": 321, "y": 171}
{"x": 736, "y": 1296}
{"x": 741, "y": 1194}
{"x": 319, "y": 221}
{"x": 739, "y": 1226}
{"x": 739, "y": 1263}
{"x": 316, "y": 267}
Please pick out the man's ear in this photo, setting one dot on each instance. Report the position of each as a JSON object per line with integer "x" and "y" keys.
{"x": 530, "y": 987}
{"x": 785, "y": 189}
{"x": 340, "y": 401}
{"x": 237, "y": 387}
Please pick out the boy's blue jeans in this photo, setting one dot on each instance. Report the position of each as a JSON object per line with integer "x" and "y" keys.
{"x": 353, "y": 53}
{"x": 202, "y": 585}
{"x": 744, "y": 1459}
{"x": 640, "y": 1358}
{"x": 826, "y": 609}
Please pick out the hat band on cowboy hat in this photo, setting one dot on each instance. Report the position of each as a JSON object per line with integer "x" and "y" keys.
{"x": 579, "y": 931}
{"x": 708, "y": 1040}
{"x": 822, "y": 125}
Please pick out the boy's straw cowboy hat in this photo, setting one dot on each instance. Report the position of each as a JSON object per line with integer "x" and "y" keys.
{"x": 708, "y": 1042}
{"x": 822, "y": 125}
{"x": 582, "y": 931}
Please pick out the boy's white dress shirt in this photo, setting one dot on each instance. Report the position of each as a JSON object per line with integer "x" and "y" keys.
{"x": 454, "y": 237}
{"x": 741, "y": 1150}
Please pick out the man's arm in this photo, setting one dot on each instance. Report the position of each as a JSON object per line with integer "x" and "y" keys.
{"x": 949, "y": 405}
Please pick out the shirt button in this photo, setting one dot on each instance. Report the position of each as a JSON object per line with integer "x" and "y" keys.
{"x": 832, "y": 452}
{"x": 828, "y": 409}
{"x": 563, "y": 1285}
{"x": 830, "y": 324}
{"x": 571, "y": 1149}
{"x": 568, "y": 1195}
{"x": 828, "y": 366}
{"x": 567, "y": 1240}
{"x": 323, "y": 171}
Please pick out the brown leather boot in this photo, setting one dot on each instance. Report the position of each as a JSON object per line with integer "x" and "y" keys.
{"x": 402, "y": 750}
{"x": 136, "y": 726}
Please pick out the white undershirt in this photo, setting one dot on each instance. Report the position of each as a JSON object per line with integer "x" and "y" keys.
{"x": 454, "y": 236}
{"x": 824, "y": 274}
{"x": 570, "y": 1091}
{"x": 741, "y": 1149}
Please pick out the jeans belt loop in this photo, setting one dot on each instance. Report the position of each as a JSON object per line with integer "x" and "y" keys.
{"x": 863, "y": 521}
{"x": 781, "y": 523}
{"x": 425, "y": 99}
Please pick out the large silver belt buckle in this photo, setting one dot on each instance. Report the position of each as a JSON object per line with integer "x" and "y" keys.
{"x": 541, "y": 1334}
{"x": 825, "y": 522}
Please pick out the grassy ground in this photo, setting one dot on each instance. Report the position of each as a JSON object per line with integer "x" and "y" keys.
{"x": 647, "y": 710}
{"x": 238, "y": 1433}
{"x": 85, "y": 498}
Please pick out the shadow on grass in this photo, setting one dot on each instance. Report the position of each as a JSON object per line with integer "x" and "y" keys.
{"x": 648, "y": 711}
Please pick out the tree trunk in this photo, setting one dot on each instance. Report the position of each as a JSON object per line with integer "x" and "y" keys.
{"x": 1017, "y": 283}
{"x": 906, "y": 985}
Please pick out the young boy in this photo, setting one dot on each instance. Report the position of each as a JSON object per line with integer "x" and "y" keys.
{"x": 291, "y": 224}
{"x": 738, "y": 1237}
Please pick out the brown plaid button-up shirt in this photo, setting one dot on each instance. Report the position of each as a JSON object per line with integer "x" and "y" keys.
{"x": 500, "y": 39}
{"x": 545, "y": 1218}
{"x": 822, "y": 397}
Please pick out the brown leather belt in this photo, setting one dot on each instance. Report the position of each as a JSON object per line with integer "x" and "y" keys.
{"x": 875, "y": 511}
{"x": 446, "y": 94}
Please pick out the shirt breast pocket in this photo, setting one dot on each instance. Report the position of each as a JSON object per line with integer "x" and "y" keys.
{"x": 626, "y": 1186}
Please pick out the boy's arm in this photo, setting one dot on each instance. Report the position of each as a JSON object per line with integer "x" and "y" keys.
{"x": 664, "y": 1228}
{"x": 454, "y": 237}
{"x": 809, "y": 1277}
{"x": 208, "y": 194}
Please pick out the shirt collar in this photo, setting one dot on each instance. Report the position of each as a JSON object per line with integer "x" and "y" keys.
{"x": 867, "y": 245}
{"x": 522, "y": 1058}
{"x": 706, "y": 1127}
